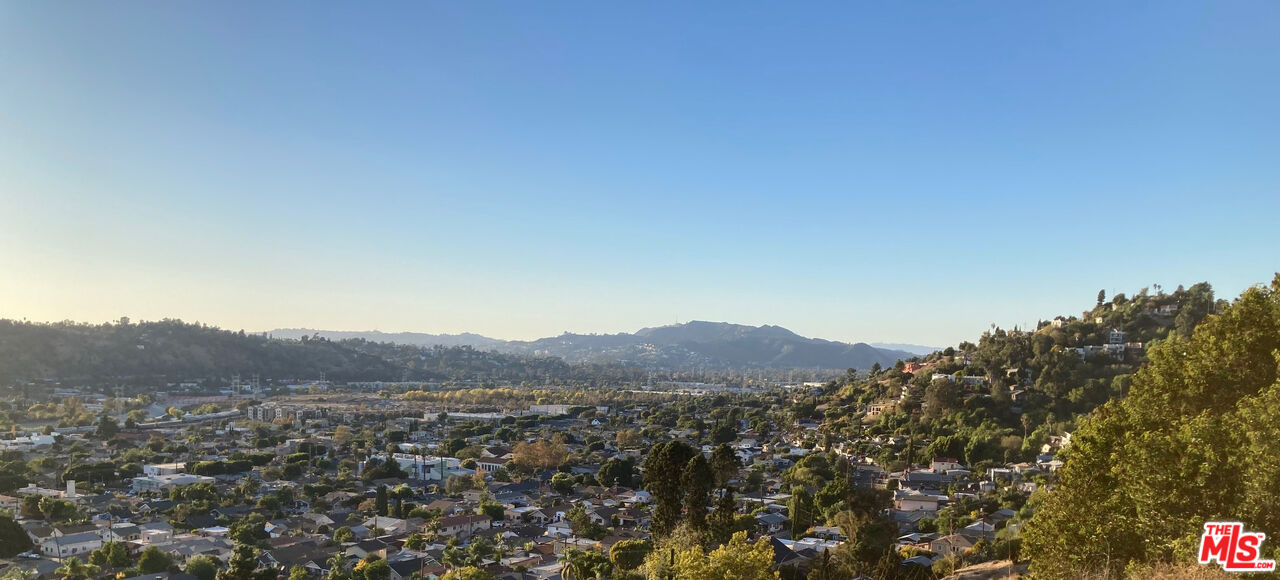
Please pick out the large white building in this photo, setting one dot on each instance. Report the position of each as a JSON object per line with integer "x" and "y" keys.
{"x": 429, "y": 467}
{"x": 71, "y": 545}
{"x": 167, "y": 482}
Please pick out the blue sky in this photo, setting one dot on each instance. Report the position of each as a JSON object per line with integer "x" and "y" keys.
{"x": 906, "y": 172}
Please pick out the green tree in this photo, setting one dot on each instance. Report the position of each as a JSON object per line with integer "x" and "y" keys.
{"x": 153, "y": 560}
{"x": 697, "y": 481}
{"x": 203, "y": 567}
{"x": 736, "y": 560}
{"x": 581, "y": 524}
{"x": 297, "y": 572}
{"x": 58, "y": 510}
{"x": 663, "y": 470}
{"x": 467, "y": 573}
{"x": 1194, "y": 441}
{"x": 243, "y": 565}
{"x": 723, "y": 433}
{"x": 801, "y": 511}
{"x": 374, "y": 569}
{"x": 343, "y": 535}
{"x": 586, "y": 565}
{"x": 415, "y": 541}
{"x": 111, "y": 555}
{"x": 616, "y": 471}
{"x": 13, "y": 539}
{"x": 722, "y": 523}
{"x": 629, "y": 554}
{"x": 74, "y": 569}
{"x": 380, "y": 503}
{"x": 942, "y": 396}
{"x": 338, "y": 568}
{"x": 562, "y": 483}
{"x": 107, "y": 427}
{"x": 493, "y": 509}
{"x": 725, "y": 464}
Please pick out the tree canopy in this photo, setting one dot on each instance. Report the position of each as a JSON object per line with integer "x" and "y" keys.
{"x": 1196, "y": 440}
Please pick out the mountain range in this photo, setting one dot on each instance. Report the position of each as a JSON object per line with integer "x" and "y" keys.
{"x": 692, "y": 345}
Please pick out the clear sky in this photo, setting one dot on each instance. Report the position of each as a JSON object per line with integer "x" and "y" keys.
{"x": 874, "y": 171}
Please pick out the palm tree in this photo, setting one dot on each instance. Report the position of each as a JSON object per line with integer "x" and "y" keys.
{"x": 75, "y": 569}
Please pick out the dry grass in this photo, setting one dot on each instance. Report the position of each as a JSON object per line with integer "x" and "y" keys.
{"x": 995, "y": 570}
{"x": 1005, "y": 570}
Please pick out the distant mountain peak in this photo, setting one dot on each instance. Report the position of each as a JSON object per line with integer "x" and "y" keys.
{"x": 693, "y": 344}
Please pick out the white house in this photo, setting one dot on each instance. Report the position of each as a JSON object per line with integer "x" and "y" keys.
{"x": 71, "y": 545}
{"x": 909, "y": 500}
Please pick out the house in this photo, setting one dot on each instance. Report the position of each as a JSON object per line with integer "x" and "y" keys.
{"x": 168, "y": 481}
{"x": 771, "y": 523}
{"x": 526, "y": 514}
{"x": 943, "y": 464}
{"x": 275, "y": 528}
{"x": 310, "y": 555}
{"x": 447, "y": 507}
{"x": 783, "y": 555}
{"x": 490, "y": 465}
{"x": 601, "y": 516}
{"x": 560, "y": 528}
{"x": 123, "y": 532}
{"x": 368, "y": 547}
{"x": 910, "y": 500}
{"x": 978, "y": 530}
{"x": 952, "y": 545}
{"x": 404, "y": 569}
{"x": 826, "y": 533}
{"x": 464, "y": 526}
{"x": 78, "y": 544}
{"x": 388, "y": 525}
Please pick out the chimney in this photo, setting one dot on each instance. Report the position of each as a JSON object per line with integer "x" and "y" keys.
{"x": 71, "y": 489}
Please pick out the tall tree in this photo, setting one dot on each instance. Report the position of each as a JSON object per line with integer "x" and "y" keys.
{"x": 698, "y": 481}
{"x": 243, "y": 565}
{"x": 721, "y": 521}
{"x": 801, "y": 510}
{"x": 380, "y": 503}
{"x": 725, "y": 464}
{"x": 663, "y": 470}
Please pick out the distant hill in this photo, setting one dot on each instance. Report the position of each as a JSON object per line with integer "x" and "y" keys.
{"x": 175, "y": 350}
{"x": 693, "y": 345}
{"x": 142, "y": 353}
{"x": 410, "y": 338}
{"x": 911, "y": 348}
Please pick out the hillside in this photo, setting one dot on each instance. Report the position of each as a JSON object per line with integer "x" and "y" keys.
{"x": 693, "y": 345}
{"x": 406, "y": 338}
{"x": 174, "y": 350}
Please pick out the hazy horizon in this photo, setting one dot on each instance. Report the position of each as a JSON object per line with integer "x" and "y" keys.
{"x": 862, "y": 173}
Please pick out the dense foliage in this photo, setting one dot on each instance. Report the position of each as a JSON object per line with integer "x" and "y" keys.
{"x": 1195, "y": 440}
